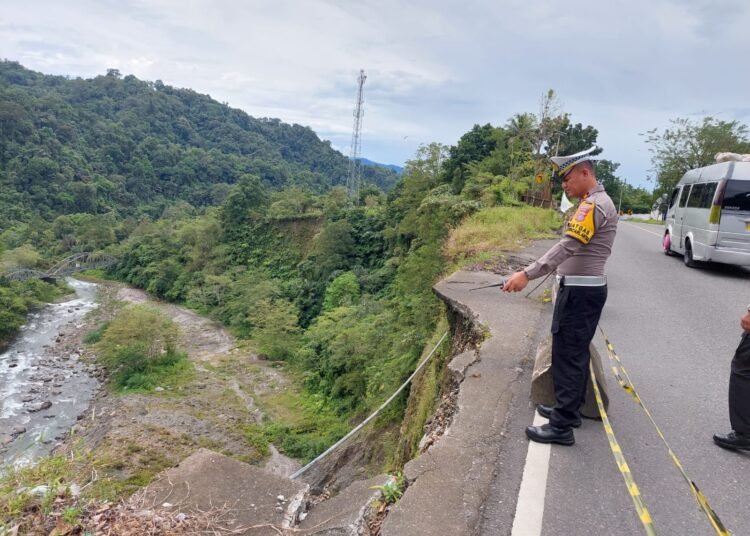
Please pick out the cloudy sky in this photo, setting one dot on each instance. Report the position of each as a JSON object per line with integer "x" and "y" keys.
{"x": 434, "y": 68}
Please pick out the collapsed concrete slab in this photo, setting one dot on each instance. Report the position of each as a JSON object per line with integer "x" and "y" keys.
{"x": 347, "y": 513}
{"x": 260, "y": 502}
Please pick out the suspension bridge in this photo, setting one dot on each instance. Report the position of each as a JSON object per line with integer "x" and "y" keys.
{"x": 67, "y": 266}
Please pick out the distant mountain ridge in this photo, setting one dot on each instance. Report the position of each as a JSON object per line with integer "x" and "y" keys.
{"x": 392, "y": 167}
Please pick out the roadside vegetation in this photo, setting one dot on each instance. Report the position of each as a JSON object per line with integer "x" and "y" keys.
{"x": 689, "y": 144}
{"x": 491, "y": 232}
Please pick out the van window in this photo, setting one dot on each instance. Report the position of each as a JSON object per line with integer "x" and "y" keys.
{"x": 673, "y": 200}
{"x": 737, "y": 196}
{"x": 708, "y": 194}
{"x": 684, "y": 196}
{"x": 702, "y": 194}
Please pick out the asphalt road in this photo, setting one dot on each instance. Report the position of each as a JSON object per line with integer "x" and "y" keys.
{"x": 675, "y": 329}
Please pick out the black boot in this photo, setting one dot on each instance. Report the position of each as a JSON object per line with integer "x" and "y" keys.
{"x": 733, "y": 440}
{"x": 546, "y": 411}
{"x": 547, "y": 433}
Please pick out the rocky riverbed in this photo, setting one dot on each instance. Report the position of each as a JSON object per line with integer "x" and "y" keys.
{"x": 133, "y": 435}
{"x": 44, "y": 382}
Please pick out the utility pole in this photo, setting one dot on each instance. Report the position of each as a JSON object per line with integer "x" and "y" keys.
{"x": 355, "y": 166}
{"x": 619, "y": 205}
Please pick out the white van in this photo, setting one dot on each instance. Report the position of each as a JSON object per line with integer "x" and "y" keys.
{"x": 708, "y": 218}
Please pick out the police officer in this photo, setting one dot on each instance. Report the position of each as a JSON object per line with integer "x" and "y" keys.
{"x": 579, "y": 259}
{"x": 739, "y": 394}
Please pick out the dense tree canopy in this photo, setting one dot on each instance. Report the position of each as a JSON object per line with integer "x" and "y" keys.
{"x": 691, "y": 144}
{"x": 134, "y": 147}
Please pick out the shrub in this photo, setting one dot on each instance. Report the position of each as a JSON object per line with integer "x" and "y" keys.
{"x": 95, "y": 335}
{"x": 139, "y": 347}
{"x": 138, "y": 325}
{"x": 343, "y": 291}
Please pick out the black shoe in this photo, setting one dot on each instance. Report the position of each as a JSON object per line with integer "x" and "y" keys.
{"x": 547, "y": 433}
{"x": 546, "y": 411}
{"x": 733, "y": 440}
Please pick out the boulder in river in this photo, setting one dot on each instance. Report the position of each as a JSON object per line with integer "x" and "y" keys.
{"x": 39, "y": 406}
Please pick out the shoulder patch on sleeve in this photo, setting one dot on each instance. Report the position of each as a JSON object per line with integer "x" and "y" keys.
{"x": 581, "y": 225}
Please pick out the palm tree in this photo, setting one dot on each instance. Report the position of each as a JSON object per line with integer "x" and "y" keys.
{"x": 522, "y": 131}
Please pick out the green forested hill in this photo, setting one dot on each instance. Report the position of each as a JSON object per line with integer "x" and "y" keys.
{"x": 121, "y": 144}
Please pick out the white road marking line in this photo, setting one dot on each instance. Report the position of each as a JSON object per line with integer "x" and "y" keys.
{"x": 530, "y": 505}
{"x": 642, "y": 229}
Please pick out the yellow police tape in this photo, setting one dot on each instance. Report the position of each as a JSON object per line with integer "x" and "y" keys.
{"x": 622, "y": 375}
{"x": 635, "y": 493}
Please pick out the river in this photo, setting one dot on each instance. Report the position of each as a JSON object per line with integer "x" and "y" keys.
{"x": 44, "y": 386}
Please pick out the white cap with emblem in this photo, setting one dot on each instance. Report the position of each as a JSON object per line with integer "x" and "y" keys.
{"x": 561, "y": 165}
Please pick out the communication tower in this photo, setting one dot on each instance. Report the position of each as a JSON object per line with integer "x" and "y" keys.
{"x": 355, "y": 166}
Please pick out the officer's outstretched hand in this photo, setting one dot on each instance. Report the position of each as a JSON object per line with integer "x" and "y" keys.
{"x": 516, "y": 282}
{"x": 745, "y": 321}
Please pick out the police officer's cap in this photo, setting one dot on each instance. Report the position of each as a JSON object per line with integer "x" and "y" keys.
{"x": 561, "y": 165}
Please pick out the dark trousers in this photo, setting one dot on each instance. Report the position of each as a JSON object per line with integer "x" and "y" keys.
{"x": 577, "y": 312}
{"x": 739, "y": 387}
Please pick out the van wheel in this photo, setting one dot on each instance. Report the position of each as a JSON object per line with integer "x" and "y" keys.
{"x": 666, "y": 245}
{"x": 688, "y": 256}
